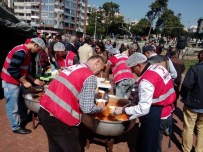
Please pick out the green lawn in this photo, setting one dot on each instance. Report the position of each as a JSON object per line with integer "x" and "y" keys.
{"x": 189, "y": 62}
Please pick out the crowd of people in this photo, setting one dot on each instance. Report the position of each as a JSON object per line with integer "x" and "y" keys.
{"x": 156, "y": 79}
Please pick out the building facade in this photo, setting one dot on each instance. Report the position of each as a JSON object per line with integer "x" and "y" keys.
{"x": 64, "y": 15}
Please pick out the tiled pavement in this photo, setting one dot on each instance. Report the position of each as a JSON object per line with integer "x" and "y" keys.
{"x": 37, "y": 141}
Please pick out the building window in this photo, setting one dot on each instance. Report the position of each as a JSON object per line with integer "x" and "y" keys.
{"x": 51, "y": 15}
{"x": 51, "y": 7}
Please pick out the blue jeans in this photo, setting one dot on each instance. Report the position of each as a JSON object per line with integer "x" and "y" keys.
{"x": 14, "y": 106}
{"x": 124, "y": 88}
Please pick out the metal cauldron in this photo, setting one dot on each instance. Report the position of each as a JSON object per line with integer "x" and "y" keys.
{"x": 108, "y": 128}
{"x": 31, "y": 102}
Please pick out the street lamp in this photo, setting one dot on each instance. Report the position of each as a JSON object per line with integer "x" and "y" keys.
{"x": 95, "y": 28}
{"x": 42, "y": 23}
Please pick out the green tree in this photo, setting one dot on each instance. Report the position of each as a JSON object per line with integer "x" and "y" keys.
{"x": 115, "y": 26}
{"x": 169, "y": 24}
{"x": 141, "y": 28}
{"x": 107, "y": 20}
{"x": 98, "y": 19}
{"x": 156, "y": 9}
{"x": 110, "y": 9}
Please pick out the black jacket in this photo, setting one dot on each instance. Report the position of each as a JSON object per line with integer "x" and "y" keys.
{"x": 163, "y": 60}
{"x": 192, "y": 87}
{"x": 181, "y": 42}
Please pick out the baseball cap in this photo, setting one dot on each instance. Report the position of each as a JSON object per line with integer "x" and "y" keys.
{"x": 114, "y": 51}
{"x": 39, "y": 42}
{"x": 136, "y": 58}
{"x": 148, "y": 48}
{"x": 59, "y": 46}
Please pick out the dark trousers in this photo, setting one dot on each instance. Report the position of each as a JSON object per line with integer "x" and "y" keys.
{"x": 164, "y": 124}
{"x": 149, "y": 130}
{"x": 61, "y": 137}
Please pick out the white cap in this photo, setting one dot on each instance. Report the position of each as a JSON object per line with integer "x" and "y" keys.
{"x": 59, "y": 46}
{"x": 39, "y": 42}
{"x": 136, "y": 58}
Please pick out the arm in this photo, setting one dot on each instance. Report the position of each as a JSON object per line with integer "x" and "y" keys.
{"x": 14, "y": 66}
{"x": 134, "y": 94}
{"x": 16, "y": 62}
{"x": 107, "y": 69}
{"x": 90, "y": 52}
{"x": 172, "y": 69}
{"x": 86, "y": 97}
{"x": 146, "y": 91}
{"x": 35, "y": 81}
{"x": 75, "y": 60}
{"x": 188, "y": 83}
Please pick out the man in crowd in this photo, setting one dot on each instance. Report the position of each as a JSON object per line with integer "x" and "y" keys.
{"x": 69, "y": 95}
{"x": 166, "y": 116}
{"x": 134, "y": 47}
{"x": 85, "y": 51}
{"x": 71, "y": 45}
{"x": 152, "y": 57}
{"x": 122, "y": 75}
{"x": 180, "y": 68}
{"x": 108, "y": 45}
{"x": 51, "y": 52}
{"x": 192, "y": 97}
{"x": 15, "y": 73}
{"x": 181, "y": 44}
{"x": 64, "y": 58}
{"x": 155, "y": 91}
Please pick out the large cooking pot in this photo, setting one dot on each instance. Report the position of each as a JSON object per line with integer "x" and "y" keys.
{"x": 106, "y": 127}
{"x": 31, "y": 97}
{"x": 32, "y": 104}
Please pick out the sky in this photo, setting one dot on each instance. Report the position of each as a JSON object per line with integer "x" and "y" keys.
{"x": 191, "y": 10}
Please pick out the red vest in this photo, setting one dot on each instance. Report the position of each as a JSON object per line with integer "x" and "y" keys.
{"x": 61, "y": 97}
{"x": 164, "y": 93}
{"x": 68, "y": 61}
{"x": 24, "y": 68}
{"x": 119, "y": 68}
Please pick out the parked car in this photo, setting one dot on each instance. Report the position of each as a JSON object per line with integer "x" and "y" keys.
{"x": 200, "y": 44}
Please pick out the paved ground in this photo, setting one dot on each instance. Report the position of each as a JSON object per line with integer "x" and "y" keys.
{"x": 37, "y": 141}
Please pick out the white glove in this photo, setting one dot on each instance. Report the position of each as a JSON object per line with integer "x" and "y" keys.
{"x": 118, "y": 110}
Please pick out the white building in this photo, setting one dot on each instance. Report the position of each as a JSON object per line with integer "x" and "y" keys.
{"x": 133, "y": 22}
{"x": 192, "y": 29}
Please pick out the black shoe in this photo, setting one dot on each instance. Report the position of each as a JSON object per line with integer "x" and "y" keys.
{"x": 22, "y": 131}
{"x": 166, "y": 132}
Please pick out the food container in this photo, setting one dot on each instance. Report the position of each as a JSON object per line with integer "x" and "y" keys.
{"x": 101, "y": 102}
{"x": 111, "y": 127}
{"x": 32, "y": 104}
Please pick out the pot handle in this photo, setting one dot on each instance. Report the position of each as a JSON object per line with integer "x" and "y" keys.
{"x": 89, "y": 122}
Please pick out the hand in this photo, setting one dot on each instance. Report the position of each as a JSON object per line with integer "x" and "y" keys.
{"x": 27, "y": 84}
{"x": 38, "y": 82}
{"x": 118, "y": 110}
{"x": 102, "y": 107}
